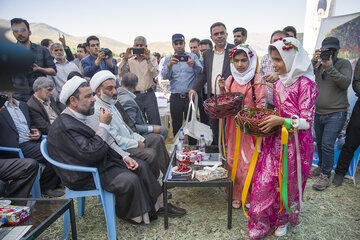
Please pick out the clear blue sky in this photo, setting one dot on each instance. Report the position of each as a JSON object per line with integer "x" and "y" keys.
{"x": 158, "y": 20}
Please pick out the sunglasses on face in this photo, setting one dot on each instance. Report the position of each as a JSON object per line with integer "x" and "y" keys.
{"x": 18, "y": 29}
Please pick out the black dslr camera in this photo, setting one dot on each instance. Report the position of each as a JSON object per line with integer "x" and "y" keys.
{"x": 326, "y": 53}
{"x": 107, "y": 52}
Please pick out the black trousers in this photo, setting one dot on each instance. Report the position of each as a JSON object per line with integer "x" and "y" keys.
{"x": 179, "y": 104}
{"x": 203, "y": 116}
{"x": 22, "y": 173}
{"x": 149, "y": 107}
{"x": 352, "y": 141}
{"x": 48, "y": 178}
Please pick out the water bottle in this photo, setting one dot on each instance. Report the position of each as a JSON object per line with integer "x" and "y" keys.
{"x": 202, "y": 144}
{"x": 181, "y": 144}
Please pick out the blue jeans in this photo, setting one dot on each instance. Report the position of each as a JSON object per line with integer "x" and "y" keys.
{"x": 327, "y": 129}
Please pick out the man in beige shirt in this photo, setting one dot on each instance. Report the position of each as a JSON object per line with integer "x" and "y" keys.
{"x": 139, "y": 61}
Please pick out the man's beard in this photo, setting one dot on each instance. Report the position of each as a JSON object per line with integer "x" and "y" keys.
{"x": 26, "y": 39}
{"x": 60, "y": 57}
{"x": 107, "y": 98}
{"x": 86, "y": 111}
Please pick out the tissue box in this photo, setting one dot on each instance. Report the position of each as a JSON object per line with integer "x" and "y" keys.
{"x": 10, "y": 214}
{"x": 208, "y": 175}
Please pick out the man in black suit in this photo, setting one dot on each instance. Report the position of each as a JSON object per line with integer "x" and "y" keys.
{"x": 16, "y": 131}
{"x": 42, "y": 106}
{"x": 21, "y": 172}
{"x": 216, "y": 61}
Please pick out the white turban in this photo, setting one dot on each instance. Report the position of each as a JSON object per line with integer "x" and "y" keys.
{"x": 99, "y": 78}
{"x": 70, "y": 87}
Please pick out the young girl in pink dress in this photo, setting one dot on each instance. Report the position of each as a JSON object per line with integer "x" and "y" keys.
{"x": 243, "y": 70}
{"x": 298, "y": 92}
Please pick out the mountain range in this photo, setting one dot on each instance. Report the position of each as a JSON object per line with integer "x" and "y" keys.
{"x": 259, "y": 41}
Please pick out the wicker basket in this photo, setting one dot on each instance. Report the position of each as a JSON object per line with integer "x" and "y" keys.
{"x": 251, "y": 126}
{"x": 224, "y": 105}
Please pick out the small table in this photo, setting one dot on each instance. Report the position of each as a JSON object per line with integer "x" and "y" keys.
{"x": 189, "y": 182}
{"x": 43, "y": 213}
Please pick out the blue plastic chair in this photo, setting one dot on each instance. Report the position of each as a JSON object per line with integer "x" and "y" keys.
{"x": 35, "y": 190}
{"x": 107, "y": 199}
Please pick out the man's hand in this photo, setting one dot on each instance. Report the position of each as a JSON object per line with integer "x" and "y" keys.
{"x": 62, "y": 40}
{"x": 36, "y": 67}
{"x": 156, "y": 129}
{"x": 271, "y": 77}
{"x": 270, "y": 122}
{"x": 130, "y": 163}
{"x": 173, "y": 61}
{"x": 146, "y": 54}
{"x": 128, "y": 54}
{"x": 316, "y": 55}
{"x": 141, "y": 144}
{"x": 105, "y": 116}
{"x": 190, "y": 62}
{"x": 327, "y": 63}
{"x": 35, "y": 135}
{"x": 100, "y": 57}
{"x": 192, "y": 92}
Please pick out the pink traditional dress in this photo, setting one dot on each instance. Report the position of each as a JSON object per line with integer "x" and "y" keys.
{"x": 239, "y": 82}
{"x": 247, "y": 145}
{"x": 298, "y": 92}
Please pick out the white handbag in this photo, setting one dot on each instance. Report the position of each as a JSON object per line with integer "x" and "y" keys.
{"x": 194, "y": 128}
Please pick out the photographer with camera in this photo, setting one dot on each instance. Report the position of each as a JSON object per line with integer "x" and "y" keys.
{"x": 99, "y": 58}
{"x": 182, "y": 69}
{"x": 139, "y": 61}
{"x": 333, "y": 77}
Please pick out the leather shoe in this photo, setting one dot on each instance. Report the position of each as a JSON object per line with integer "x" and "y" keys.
{"x": 52, "y": 193}
{"x": 172, "y": 211}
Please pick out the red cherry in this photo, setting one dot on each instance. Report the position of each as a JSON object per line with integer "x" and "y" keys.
{"x": 284, "y": 40}
{"x": 284, "y": 48}
{"x": 280, "y": 38}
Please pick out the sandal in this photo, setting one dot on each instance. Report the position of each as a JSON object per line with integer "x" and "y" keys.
{"x": 236, "y": 203}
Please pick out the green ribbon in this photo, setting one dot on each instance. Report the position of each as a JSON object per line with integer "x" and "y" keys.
{"x": 284, "y": 190}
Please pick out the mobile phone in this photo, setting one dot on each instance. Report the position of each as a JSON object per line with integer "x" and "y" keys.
{"x": 182, "y": 58}
{"x": 3, "y": 99}
{"x": 138, "y": 51}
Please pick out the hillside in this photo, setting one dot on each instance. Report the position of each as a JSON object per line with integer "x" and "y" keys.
{"x": 259, "y": 41}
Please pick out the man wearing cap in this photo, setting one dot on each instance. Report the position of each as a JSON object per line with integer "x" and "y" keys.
{"x": 333, "y": 77}
{"x": 182, "y": 73}
{"x": 71, "y": 141}
{"x": 145, "y": 66}
{"x": 150, "y": 148}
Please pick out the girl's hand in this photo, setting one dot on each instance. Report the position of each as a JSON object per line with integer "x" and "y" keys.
{"x": 270, "y": 122}
{"x": 221, "y": 83}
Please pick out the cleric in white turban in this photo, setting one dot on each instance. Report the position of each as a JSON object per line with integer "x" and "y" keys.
{"x": 70, "y": 87}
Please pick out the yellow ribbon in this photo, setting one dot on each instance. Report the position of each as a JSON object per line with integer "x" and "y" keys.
{"x": 236, "y": 153}
{"x": 250, "y": 175}
{"x": 284, "y": 141}
{"x": 223, "y": 137}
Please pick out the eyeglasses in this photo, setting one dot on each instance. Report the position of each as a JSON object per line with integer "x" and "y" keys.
{"x": 18, "y": 29}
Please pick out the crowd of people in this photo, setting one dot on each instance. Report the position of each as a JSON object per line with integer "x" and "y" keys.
{"x": 102, "y": 113}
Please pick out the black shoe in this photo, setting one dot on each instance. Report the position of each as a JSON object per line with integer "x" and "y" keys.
{"x": 338, "y": 179}
{"x": 172, "y": 211}
{"x": 52, "y": 193}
